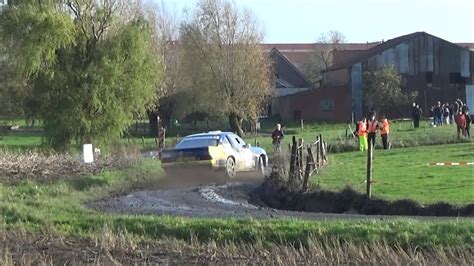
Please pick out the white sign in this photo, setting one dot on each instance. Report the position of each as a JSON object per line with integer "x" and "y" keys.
{"x": 88, "y": 154}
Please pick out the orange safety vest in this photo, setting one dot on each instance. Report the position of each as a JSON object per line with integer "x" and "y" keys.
{"x": 385, "y": 127}
{"x": 362, "y": 129}
{"x": 372, "y": 126}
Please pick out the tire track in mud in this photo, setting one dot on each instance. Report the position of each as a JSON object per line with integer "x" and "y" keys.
{"x": 208, "y": 197}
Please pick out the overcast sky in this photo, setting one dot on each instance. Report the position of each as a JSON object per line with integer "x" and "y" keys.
{"x": 302, "y": 21}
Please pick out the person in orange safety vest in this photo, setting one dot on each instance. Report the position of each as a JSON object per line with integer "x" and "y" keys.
{"x": 384, "y": 132}
{"x": 362, "y": 133}
{"x": 372, "y": 126}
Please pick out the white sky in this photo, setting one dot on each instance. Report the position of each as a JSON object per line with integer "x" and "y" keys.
{"x": 301, "y": 21}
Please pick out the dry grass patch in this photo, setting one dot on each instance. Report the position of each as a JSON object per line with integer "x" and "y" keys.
{"x": 49, "y": 249}
{"x": 40, "y": 167}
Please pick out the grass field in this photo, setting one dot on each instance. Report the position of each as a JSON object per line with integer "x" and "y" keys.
{"x": 59, "y": 207}
{"x": 402, "y": 135}
{"x": 404, "y": 173}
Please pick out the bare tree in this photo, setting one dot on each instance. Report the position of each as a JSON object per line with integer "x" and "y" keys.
{"x": 166, "y": 33}
{"x": 225, "y": 64}
{"x": 322, "y": 56}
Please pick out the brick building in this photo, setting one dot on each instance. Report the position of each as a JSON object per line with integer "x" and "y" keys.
{"x": 437, "y": 69}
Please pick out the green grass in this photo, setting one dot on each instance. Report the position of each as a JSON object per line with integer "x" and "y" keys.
{"x": 402, "y": 135}
{"x": 403, "y": 173}
{"x": 59, "y": 207}
{"x": 21, "y": 141}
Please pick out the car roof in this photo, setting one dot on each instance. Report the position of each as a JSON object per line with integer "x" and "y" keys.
{"x": 210, "y": 134}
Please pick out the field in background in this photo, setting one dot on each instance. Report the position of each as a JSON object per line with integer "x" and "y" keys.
{"x": 336, "y": 134}
{"x": 404, "y": 173}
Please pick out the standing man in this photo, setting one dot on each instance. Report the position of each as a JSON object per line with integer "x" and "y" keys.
{"x": 362, "y": 133}
{"x": 384, "y": 131}
{"x": 277, "y": 135}
{"x": 468, "y": 123}
{"x": 437, "y": 114}
{"x": 372, "y": 130}
{"x": 413, "y": 114}
{"x": 416, "y": 115}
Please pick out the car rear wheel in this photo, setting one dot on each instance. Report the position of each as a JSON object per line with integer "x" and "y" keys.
{"x": 230, "y": 167}
{"x": 261, "y": 166}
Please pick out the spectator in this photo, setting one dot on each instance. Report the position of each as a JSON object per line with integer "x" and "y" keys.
{"x": 468, "y": 123}
{"x": 362, "y": 133}
{"x": 372, "y": 129}
{"x": 437, "y": 113}
{"x": 277, "y": 135}
{"x": 451, "y": 113}
{"x": 416, "y": 114}
{"x": 446, "y": 113}
{"x": 384, "y": 132}
{"x": 460, "y": 120}
{"x": 413, "y": 111}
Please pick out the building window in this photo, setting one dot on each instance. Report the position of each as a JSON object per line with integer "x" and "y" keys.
{"x": 429, "y": 77}
{"x": 326, "y": 105}
{"x": 456, "y": 78}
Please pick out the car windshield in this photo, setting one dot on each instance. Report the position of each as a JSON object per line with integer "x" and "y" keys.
{"x": 197, "y": 143}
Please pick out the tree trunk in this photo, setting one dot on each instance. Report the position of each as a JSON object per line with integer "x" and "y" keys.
{"x": 152, "y": 118}
{"x": 235, "y": 123}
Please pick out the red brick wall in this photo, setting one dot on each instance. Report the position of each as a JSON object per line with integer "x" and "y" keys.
{"x": 309, "y": 104}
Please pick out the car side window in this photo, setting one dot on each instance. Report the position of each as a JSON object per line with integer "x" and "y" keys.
{"x": 232, "y": 142}
{"x": 225, "y": 142}
{"x": 240, "y": 141}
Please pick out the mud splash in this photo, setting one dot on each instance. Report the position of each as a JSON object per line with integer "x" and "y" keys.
{"x": 211, "y": 195}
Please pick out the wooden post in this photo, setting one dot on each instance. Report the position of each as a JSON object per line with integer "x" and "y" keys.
{"x": 300, "y": 159}
{"x": 293, "y": 158}
{"x": 369, "y": 171}
{"x": 320, "y": 150}
{"x": 317, "y": 152}
{"x": 302, "y": 124}
{"x": 309, "y": 168}
{"x": 323, "y": 150}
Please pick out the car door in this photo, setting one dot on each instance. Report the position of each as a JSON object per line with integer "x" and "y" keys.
{"x": 244, "y": 154}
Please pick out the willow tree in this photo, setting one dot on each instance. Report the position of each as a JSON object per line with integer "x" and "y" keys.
{"x": 88, "y": 64}
{"x": 225, "y": 66}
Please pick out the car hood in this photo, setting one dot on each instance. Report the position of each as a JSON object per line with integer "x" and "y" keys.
{"x": 257, "y": 150}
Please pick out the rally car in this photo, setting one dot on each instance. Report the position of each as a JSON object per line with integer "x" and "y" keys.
{"x": 219, "y": 151}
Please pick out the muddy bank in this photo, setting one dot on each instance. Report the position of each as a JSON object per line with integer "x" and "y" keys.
{"x": 275, "y": 194}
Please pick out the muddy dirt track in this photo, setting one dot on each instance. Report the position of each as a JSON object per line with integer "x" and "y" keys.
{"x": 207, "y": 196}
{"x": 200, "y": 197}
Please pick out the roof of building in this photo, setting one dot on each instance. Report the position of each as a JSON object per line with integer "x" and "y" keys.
{"x": 299, "y": 53}
{"x": 287, "y": 72}
{"x": 384, "y": 46}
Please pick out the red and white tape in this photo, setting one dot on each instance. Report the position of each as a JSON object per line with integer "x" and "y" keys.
{"x": 450, "y": 164}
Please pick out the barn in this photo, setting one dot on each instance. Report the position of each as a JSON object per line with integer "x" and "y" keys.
{"x": 437, "y": 69}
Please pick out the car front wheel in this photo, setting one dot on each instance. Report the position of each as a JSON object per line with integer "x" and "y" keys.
{"x": 230, "y": 167}
{"x": 261, "y": 166}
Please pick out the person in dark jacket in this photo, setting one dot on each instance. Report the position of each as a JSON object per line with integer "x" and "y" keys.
{"x": 468, "y": 123}
{"x": 277, "y": 136}
{"x": 416, "y": 115}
